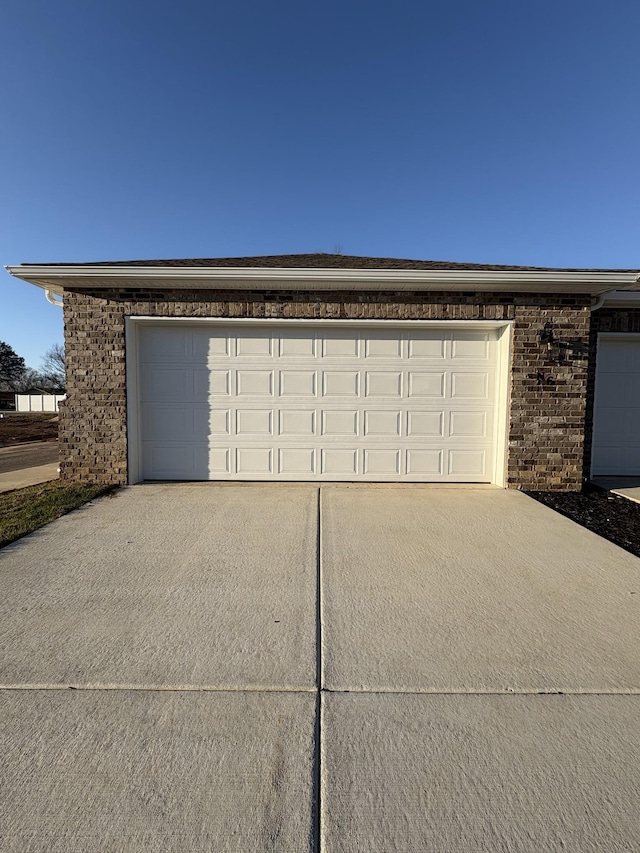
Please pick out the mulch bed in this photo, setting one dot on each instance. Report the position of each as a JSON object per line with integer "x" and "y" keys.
{"x": 610, "y": 516}
{"x": 16, "y": 429}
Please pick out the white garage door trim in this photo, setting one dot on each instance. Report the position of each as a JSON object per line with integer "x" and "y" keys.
{"x": 614, "y": 452}
{"x": 497, "y": 474}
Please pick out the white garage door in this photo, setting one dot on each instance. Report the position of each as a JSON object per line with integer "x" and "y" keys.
{"x": 616, "y": 421}
{"x": 277, "y": 402}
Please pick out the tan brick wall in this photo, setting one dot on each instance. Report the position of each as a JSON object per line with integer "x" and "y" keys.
{"x": 547, "y": 415}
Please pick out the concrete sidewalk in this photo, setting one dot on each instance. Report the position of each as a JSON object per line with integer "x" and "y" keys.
{"x": 626, "y": 487}
{"x": 273, "y": 667}
{"x": 24, "y": 477}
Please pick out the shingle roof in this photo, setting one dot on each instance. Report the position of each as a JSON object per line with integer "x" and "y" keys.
{"x": 317, "y": 261}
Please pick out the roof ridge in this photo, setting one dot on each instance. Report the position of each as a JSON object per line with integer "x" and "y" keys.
{"x": 321, "y": 260}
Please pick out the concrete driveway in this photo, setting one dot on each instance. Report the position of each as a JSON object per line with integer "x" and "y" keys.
{"x": 245, "y": 667}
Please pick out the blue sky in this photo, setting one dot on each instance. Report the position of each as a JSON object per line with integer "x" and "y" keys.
{"x": 499, "y": 132}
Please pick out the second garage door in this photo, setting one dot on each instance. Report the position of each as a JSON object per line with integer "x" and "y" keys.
{"x": 616, "y": 426}
{"x": 317, "y": 402}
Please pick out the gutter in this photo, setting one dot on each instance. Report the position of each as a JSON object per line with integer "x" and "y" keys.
{"x": 618, "y": 299}
{"x": 57, "y": 279}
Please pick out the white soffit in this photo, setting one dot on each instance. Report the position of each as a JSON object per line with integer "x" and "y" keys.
{"x": 593, "y": 282}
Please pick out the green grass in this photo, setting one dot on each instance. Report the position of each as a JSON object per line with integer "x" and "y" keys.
{"x": 24, "y": 510}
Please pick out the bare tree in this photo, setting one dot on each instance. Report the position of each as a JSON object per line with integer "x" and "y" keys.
{"x": 53, "y": 369}
{"x": 31, "y": 381}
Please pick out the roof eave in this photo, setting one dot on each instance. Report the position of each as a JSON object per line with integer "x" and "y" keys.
{"x": 57, "y": 279}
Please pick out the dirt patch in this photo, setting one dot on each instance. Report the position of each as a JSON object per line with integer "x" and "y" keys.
{"x": 30, "y": 426}
{"x": 610, "y": 516}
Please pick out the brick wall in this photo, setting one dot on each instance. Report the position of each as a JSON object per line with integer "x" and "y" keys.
{"x": 548, "y": 387}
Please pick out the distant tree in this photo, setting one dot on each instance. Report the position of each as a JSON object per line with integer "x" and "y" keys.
{"x": 12, "y": 367}
{"x": 30, "y": 380}
{"x": 53, "y": 369}
{"x": 36, "y": 382}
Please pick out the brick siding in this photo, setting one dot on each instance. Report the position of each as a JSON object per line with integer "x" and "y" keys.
{"x": 548, "y": 387}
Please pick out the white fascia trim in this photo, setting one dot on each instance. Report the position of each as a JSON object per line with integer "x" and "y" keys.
{"x": 562, "y": 281}
{"x": 306, "y": 323}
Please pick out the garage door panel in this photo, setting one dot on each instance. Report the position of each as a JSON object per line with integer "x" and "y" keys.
{"x": 382, "y": 462}
{"x": 166, "y": 423}
{"x": 618, "y": 356}
{"x": 219, "y": 460}
{"x": 297, "y": 460}
{"x": 164, "y": 344}
{"x": 170, "y": 459}
{"x": 254, "y": 422}
{"x": 464, "y": 424}
{"x": 386, "y": 384}
{"x": 298, "y": 383}
{"x": 426, "y": 424}
{"x": 426, "y": 384}
{"x": 216, "y": 422}
{"x": 382, "y": 423}
{"x": 383, "y": 346}
{"x": 254, "y": 383}
{"x": 294, "y": 403}
{"x": 611, "y": 421}
{"x": 339, "y": 462}
{"x": 632, "y": 423}
{"x": 336, "y": 422}
{"x": 218, "y": 383}
{"x": 254, "y": 343}
{"x": 297, "y": 345}
{"x": 184, "y": 423}
{"x": 429, "y": 345}
{"x": 470, "y": 385}
{"x": 165, "y": 383}
{"x": 470, "y": 345}
{"x": 425, "y": 463}
{"x": 296, "y": 422}
{"x": 613, "y": 390}
{"x": 254, "y": 460}
{"x": 173, "y": 461}
{"x": 467, "y": 463}
{"x": 340, "y": 345}
{"x": 206, "y": 346}
{"x": 610, "y": 459}
{"x": 341, "y": 384}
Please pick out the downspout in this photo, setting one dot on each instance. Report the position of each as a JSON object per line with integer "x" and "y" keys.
{"x": 52, "y": 299}
{"x": 600, "y": 300}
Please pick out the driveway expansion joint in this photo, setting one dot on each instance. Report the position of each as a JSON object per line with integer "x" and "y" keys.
{"x": 156, "y": 688}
